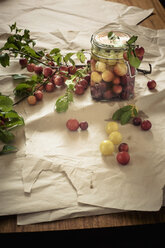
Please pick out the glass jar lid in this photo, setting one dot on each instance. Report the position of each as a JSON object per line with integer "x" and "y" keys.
{"x": 110, "y": 39}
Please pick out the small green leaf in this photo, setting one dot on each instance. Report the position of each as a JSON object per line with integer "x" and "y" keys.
{"x": 135, "y": 112}
{"x": 61, "y": 104}
{"x": 30, "y": 51}
{"x": 19, "y": 76}
{"x": 10, "y": 45}
{"x": 126, "y": 108}
{"x": 67, "y": 57}
{"x": 116, "y": 116}
{"x": 26, "y": 34}
{"x": 35, "y": 78}
{"x": 133, "y": 60}
{"x": 4, "y": 59}
{"x": 71, "y": 61}
{"x": 132, "y": 40}
{"x": 8, "y": 149}
{"x": 15, "y": 122}
{"x": 6, "y": 104}
{"x": 80, "y": 55}
{"x": 11, "y": 114}
{"x": 12, "y": 27}
{"x": 22, "y": 89}
{"x": 6, "y": 136}
{"x": 55, "y": 51}
{"x": 125, "y": 117}
{"x": 57, "y": 58}
{"x": 110, "y": 35}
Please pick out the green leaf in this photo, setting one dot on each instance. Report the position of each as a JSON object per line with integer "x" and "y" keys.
{"x": 22, "y": 89}
{"x": 80, "y": 73}
{"x": 12, "y": 27}
{"x": 19, "y": 76}
{"x": 132, "y": 40}
{"x": 6, "y": 136}
{"x": 26, "y": 34}
{"x": 10, "y": 45}
{"x": 4, "y": 59}
{"x": 30, "y": 51}
{"x": 57, "y": 58}
{"x": 135, "y": 113}
{"x": 11, "y": 114}
{"x": 8, "y": 149}
{"x": 125, "y": 117}
{"x": 6, "y": 104}
{"x": 40, "y": 53}
{"x": 80, "y": 55}
{"x": 55, "y": 51}
{"x": 116, "y": 116}
{"x": 22, "y": 86}
{"x": 35, "y": 78}
{"x": 15, "y": 122}
{"x": 110, "y": 35}
{"x": 11, "y": 39}
{"x": 133, "y": 60}
{"x": 68, "y": 58}
{"x": 61, "y": 104}
{"x": 72, "y": 61}
{"x": 126, "y": 108}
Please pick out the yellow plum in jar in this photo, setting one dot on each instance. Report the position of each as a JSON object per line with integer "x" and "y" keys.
{"x": 96, "y": 77}
{"x": 100, "y": 66}
{"x": 120, "y": 69}
{"x": 107, "y": 76}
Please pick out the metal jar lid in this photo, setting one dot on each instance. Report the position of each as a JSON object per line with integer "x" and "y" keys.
{"x": 106, "y": 39}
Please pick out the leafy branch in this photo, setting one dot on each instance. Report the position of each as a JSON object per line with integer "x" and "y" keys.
{"x": 9, "y": 119}
{"x": 20, "y": 43}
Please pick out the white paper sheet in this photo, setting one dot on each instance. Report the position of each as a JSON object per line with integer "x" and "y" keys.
{"x": 56, "y": 157}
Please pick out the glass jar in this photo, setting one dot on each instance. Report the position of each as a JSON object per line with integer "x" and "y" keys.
{"x": 112, "y": 78}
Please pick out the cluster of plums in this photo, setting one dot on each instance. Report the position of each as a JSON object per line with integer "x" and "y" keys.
{"x": 53, "y": 79}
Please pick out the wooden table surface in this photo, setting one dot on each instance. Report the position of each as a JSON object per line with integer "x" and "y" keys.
{"x": 8, "y": 223}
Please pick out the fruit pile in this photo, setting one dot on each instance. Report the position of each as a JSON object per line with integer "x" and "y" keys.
{"x": 107, "y": 147}
{"x": 113, "y": 77}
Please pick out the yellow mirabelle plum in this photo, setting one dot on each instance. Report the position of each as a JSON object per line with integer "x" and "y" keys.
{"x": 100, "y": 66}
{"x": 115, "y": 137}
{"x": 111, "y": 127}
{"x": 106, "y": 147}
{"x": 120, "y": 69}
{"x": 107, "y": 76}
{"x": 96, "y": 77}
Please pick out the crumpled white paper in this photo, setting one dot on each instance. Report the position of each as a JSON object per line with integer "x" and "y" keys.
{"x": 63, "y": 170}
{"x": 50, "y": 16}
